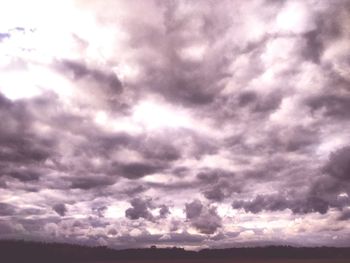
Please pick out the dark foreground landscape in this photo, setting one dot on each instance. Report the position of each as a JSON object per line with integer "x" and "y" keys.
{"x": 21, "y": 251}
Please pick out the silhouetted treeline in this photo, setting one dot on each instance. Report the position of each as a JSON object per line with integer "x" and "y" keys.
{"x": 21, "y": 251}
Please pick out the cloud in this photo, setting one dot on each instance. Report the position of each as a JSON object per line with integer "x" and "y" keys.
{"x": 263, "y": 92}
{"x": 87, "y": 183}
{"x": 184, "y": 237}
{"x": 331, "y": 105}
{"x": 279, "y": 202}
{"x": 217, "y": 184}
{"x": 24, "y": 175}
{"x": 80, "y": 70}
{"x": 345, "y": 215}
{"x": 159, "y": 150}
{"x": 193, "y": 209}
{"x": 164, "y": 211}
{"x": 208, "y": 222}
{"x": 205, "y": 219}
{"x": 18, "y": 135}
{"x": 100, "y": 210}
{"x": 6, "y": 228}
{"x": 139, "y": 209}
{"x": 339, "y": 164}
{"x": 4, "y": 36}
{"x": 217, "y": 193}
{"x": 60, "y": 209}
{"x": 138, "y": 170}
{"x": 7, "y": 209}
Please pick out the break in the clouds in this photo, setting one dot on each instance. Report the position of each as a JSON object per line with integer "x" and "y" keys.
{"x": 187, "y": 123}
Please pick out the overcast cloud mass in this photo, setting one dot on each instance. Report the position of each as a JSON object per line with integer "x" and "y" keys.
{"x": 175, "y": 123}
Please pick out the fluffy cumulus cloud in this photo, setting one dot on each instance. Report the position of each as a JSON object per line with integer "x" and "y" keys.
{"x": 188, "y": 123}
{"x": 204, "y": 219}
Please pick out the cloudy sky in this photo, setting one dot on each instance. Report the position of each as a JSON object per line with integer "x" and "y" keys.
{"x": 175, "y": 123}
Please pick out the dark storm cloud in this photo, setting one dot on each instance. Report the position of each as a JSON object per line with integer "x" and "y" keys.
{"x": 279, "y": 202}
{"x": 24, "y": 150}
{"x": 193, "y": 209}
{"x": 258, "y": 103}
{"x": 215, "y": 194}
{"x": 164, "y": 211}
{"x": 331, "y": 191}
{"x": 246, "y": 98}
{"x": 158, "y": 150}
{"x": 325, "y": 31}
{"x": 201, "y": 145}
{"x": 345, "y": 215}
{"x": 104, "y": 144}
{"x": 208, "y": 222}
{"x": 112, "y": 232}
{"x": 134, "y": 190}
{"x": 178, "y": 78}
{"x": 138, "y": 170}
{"x": 208, "y": 225}
{"x": 260, "y": 203}
{"x": 19, "y": 143}
{"x": 90, "y": 182}
{"x": 314, "y": 46}
{"x": 187, "y": 91}
{"x": 7, "y": 209}
{"x": 24, "y": 174}
{"x": 332, "y": 105}
{"x": 212, "y": 176}
{"x": 139, "y": 209}
{"x": 267, "y": 101}
{"x": 81, "y": 70}
{"x": 157, "y": 154}
{"x": 218, "y": 184}
{"x": 205, "y": 219}
{"x": 339, "y": 164}
{"x": 219, "y": 191}
{"x": 100, "y": 210}
{"x": 208, "y": 177}
{"x": 60, "y": 209}
{"x": 294, "y": 139}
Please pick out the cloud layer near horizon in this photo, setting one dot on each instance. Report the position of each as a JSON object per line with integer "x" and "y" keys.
{"x": 188, "y": 123}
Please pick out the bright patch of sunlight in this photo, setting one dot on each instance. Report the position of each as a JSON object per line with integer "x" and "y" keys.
{"x": 116, "y": 211}
{"x": 152, "y": 115}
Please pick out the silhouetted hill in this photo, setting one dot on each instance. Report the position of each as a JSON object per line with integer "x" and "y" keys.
{"x": 22, "y": 251}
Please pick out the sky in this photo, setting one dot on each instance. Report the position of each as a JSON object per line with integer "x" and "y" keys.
{"x": 197, "y": 124}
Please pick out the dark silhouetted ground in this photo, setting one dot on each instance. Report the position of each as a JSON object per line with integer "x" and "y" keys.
{"x": 34, "y": 252}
